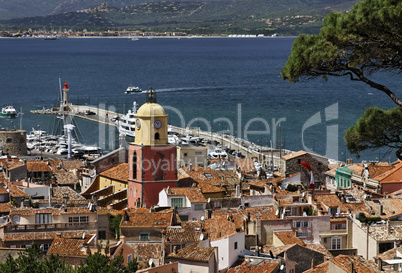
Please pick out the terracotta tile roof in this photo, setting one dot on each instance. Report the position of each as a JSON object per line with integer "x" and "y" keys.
{"x": 390, "y": 207}
{"x": 288, "y": 237}
{"x": 193, "y": 194}
{"x": 104, "y": 210}
{"x": 3, "y": 190}
{"x": 119, "y": 172}
{"x": 396, "y": 194}
{"x": 189, "y": 232}
{"x": 321, "y": 268}
{"x": 5, "y": 161}
{"x": 5, "y": 207}
{"x": 263, "y": 213}
{"x": 357, "y": 168}
{"x": 240, "y": 215}
{"x": 377, "y": 170}
{"x": 206, "y": 178}
{"x": 145, "y": 218}
{"x": 38, "y": 166}
{"x": 391, "y": 176}
{"x": 219, "y": 227}
{"x": 320, "y": 248}
{"x": 32, "y": 211}
{"x": 59, "y": 192}
{"x": 66, "y": 164}
{"x": 16, "y": 192}
{"x": 273, "y": 181}
{"x": 263, "y": 267}
{"x": 329, "y": 200}
{"x": 276, "y": 250}
{"x": 194, "y": 253}
{"x": 75, "y": 210}
{"x": 229, "y": 176}
{"x": 53, "y": 211}
{"x": 44, "y": 235}
{"x": 237, "y": 215}
{"x": 360, "y": 265}
{"x": 389, "y": 254}
{"x": 14, "y": 165}
{"x": 181, "y": 174}
{"x": 66, "y": 178}
{"x": 384, "y": 233}
{"x": 325, "y": 201}
{"x": 69, "y": 247}
{"x": 146, "y": 251}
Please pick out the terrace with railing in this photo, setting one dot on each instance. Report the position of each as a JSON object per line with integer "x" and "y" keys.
{"x": 10, "y": 228}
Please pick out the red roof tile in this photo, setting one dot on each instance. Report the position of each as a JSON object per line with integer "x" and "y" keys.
{"x": 194, "y": 253}
{"x": 120, "y": 172}
{"x": 38, "y": 166}
{"x": 193, "y": 194}
{"x": 69, "y": 247}
{"x": 145, "y": 218}
{"x": 188, "y": 232}
{"x": 219, "y": 227}
{"x": 16, "y": 192}
{"x": 288, "y": 237}
{"x": 263, "y": 267}
{"x": 146, "y": 251}
{"x": 44, "y": 235}
{"x": 5, "y": 207}
{"x": 360, "y": 265}
{"x": 321, "y": 268}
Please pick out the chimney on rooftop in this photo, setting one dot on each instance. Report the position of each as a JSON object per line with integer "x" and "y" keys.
{"x": 190, "y": 167}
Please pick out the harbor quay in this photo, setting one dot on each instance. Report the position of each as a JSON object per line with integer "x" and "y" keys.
{"x": 265, "y": 155}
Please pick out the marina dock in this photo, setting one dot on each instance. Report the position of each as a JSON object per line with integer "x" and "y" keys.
{"x": 107, "y": 117}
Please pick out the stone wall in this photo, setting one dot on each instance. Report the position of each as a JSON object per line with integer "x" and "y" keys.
{"x": 318, "y": 165}
{"x": 14, "y": 142}
{"x": 110, "y": 160}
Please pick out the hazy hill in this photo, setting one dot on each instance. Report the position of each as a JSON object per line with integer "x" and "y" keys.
{"x": 191, "y": 16}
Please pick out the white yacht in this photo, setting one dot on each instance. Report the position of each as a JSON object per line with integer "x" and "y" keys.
{"x": 218, "y": 152}
{"x": 126, "y": 123}
{"x": 133, "y": 89}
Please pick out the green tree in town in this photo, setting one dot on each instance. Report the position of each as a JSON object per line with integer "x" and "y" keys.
{"x": 33, "y": 260}
{"x": 377, "y": 128}
{"x": 367, "y": 39}
{"x": 99, "y": 262}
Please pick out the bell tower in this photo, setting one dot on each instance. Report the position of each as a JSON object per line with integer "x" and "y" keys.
{"x": 152, "y": 160}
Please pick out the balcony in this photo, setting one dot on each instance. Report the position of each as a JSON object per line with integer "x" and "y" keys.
{"x": 49, "y": 227}
{"x": 334, "y": 232}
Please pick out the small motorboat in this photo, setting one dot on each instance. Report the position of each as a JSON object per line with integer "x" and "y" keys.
{"x": 8, "y": 112}
{"x": 133, "y": 89}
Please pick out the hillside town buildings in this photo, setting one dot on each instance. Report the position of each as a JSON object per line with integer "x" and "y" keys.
{"x": 232, "y": 215}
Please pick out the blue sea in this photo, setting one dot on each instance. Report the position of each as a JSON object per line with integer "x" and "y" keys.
{"x": 228, "y": 85}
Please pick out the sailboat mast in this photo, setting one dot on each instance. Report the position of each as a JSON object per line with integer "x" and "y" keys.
{"x": 62, "y": 106}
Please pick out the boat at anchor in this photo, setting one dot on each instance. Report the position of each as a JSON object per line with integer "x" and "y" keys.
{"x": 133, "y": 89}
{"x": 8, "y": 112}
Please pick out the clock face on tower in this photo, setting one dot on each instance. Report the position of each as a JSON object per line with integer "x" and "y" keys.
{"x": 138, "y": 124}
{"x": 157, "y": 124}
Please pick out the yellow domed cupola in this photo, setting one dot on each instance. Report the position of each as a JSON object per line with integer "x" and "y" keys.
{"x": 151, "y": 123}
